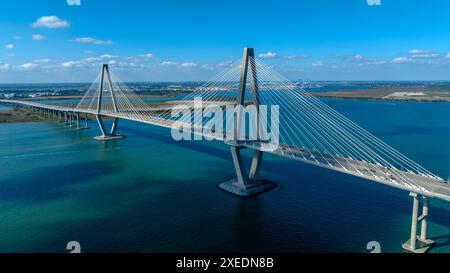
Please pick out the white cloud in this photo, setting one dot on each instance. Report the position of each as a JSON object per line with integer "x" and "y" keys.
{"x": 129, "y": 65}
{"x": 90, "y": 40}
{"x": 357, "y": 57}
{"x": 70, "y": 64}
{"x": 108, "y": 56}
{"x": 448, "y": 55}
{"x": 5, "y": 66}
{"x": 28, "y": 66}
{"x": 191, "y": 65}
{"x": 42, "y": 61}
{"x": 401, "y": 60}
{"x": 38, "y": 37}
{"x": 50, "y": 22}
{"x": 318, "y": 63}
{"x": 374, "y": 62}
{"x": 296, "y": 57}
{"x": 209, "y": 67}
{"x": 414, "y": 51}
{"x": 99, "y": 58}
{"x": 9, "y": 46}
{"x": 112, "y": 62}
{"x": 148, "y": 55}
{"x": 268, "y": 55}
{"x": 361, "y": 60}
{"x": 91, "y": 59}
{"x": 188, "y": 65}
{"x": 169, "y": 63}
{"x": 73, "y": 2}
{"x": 424, "y": 54}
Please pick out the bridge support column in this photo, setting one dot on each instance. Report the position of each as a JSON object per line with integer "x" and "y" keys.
{"x": 419, "y": 244}
{"x": 112, "y": 133}
{"x": 246, "y": 185}
{"x": 78, "y": 120}
{"x": 78, "y": 115}
{"x": 86, "y": 121}
{"x": 70, "y": 120}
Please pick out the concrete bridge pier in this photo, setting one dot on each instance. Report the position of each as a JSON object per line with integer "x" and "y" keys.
{"x": 246, "y": 184}
{"x": 419, "y": 244}
{"x": 111, "y": 135}
{"x": 78, "y": 120}
{"x": 70, "y": 119}
{"x": 86, "y": 121}
{"x": 78, "y": 117}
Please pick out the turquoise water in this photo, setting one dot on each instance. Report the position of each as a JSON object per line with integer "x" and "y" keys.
{"x": 148, "y": 193}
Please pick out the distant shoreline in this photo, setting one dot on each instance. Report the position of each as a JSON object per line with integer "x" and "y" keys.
{"x": 388, "y": 94}
{"x": 146, "y": 96}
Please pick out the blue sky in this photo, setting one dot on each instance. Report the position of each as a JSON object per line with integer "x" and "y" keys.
{"x": 52, "y": 41}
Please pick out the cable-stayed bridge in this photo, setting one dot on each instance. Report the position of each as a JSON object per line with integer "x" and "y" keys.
{"x": 306, "y": 130}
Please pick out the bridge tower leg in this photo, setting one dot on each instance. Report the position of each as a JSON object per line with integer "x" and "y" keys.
{"x": 112, "y": 133}
{"x": 419, "y": 244}
{"x": 246, "y": 184}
